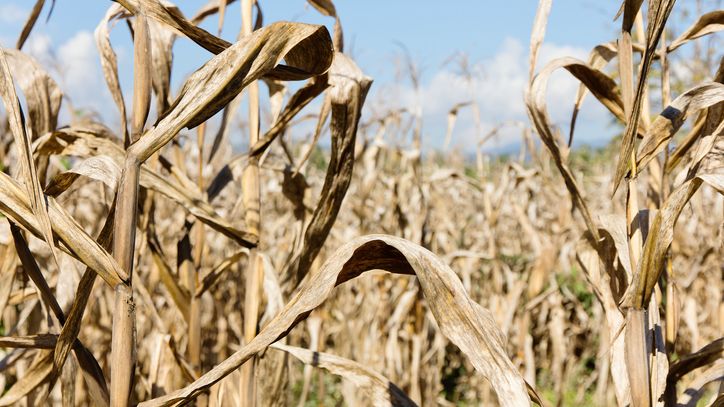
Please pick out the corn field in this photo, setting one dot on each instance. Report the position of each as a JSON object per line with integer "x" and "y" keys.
{"x": 144, "y": 261}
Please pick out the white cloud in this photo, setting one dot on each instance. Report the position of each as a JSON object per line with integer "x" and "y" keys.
{"x": 75, "y": 65}
{"x": 11, "y": 13}
{"x": 498, "y": 84}
{"x": 81, "y": 77}
{"x": 40, "y": 46}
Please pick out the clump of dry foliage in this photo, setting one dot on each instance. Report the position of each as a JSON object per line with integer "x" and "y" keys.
{"x": 179, "y": 272}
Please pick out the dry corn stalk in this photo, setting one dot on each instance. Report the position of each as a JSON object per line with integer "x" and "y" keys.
{"x": 190, "y": 316}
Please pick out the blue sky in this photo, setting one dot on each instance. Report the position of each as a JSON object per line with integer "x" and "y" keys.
{"x": 493, "y": 35}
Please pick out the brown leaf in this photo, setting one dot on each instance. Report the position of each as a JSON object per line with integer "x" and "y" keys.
{"x": 67, "y": 338}
{"x": 162, "y": 40}
{"x": 210, "y": 278}
{"x": 463, "y": 321}
{"x": 210, "y": 8}
{"x": 22, "y": 140}
{"x": 171, "y": 16}
{"x": 7, "y": 275}
{"x": 36, "y": 374}
{"x": 327, "y": 8}
{"x": 296, "y": 103}
{"x": 452, "y": 116}
{"x": 600, "y": 56}
{"x": 537, "y": 34}
{"x": 99, "y": 167}
{"x": 706, "y": 24}
{"x": 91, "y": 370}
{"x": 602, "y": 87}
{"x": 661, "y": 234}
{"x": 109, "y": 62}
{"x": 30, "y": 23}
{"x": 33, "y": 271}
{"x": 14, "y": 204}
{"x": 659, "y": 11}
{"x": 704, "y": 356}
{"x": 103, "y": 164}
{"x": 42, "y": 94}
{"x": 665, "y": 126}
{"x": 39, "y": 341}
{"x": 142, "y": 74}
{"x": 305, "y": 47}
{"x": 347, "y": 95}
{"x": 629, "y": 8}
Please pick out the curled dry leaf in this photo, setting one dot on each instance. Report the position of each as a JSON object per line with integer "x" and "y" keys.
{"x": 537, "y": 34}
{"x": 14, "y": 204}
{"x": 23, "y": 142}
{"x": 305, "y": 47}
{"x": 327, "y": 8}
{"x": 601, "y": 86}
{"x": 667, "y": 123}
{"x": 349, "y": 87}
{"x": 299, "y": 61}
{"x": 109, "y": 61}
{"x": 91, "y": 370}
{"x": 42, "y": 94}
{"x": 464, "y": 322}
{"x": 102, "y": 162}
{"x": 162, "y": 40}
{"x": 661, "y": 234}
{"x": 598, "y": 274}
{"x": 704, "y": 356}
{"x": 208, "y": 280}
{"x": 210, "y": 8}
{"x": 36, "y": 374}
{"x": 598, "y": 58}
{"x": 169, "y": 15}
{"x": 452, "y": 116}
{"x": 601, "y": 55}
{"x": 691, "y": 396}
{"x": 100, "y": 168}
{"x": 296, "y": 103}
{"x": 30, "y": 22}
{"x": 706, "y": 24}
{"x": 67, "y": 338}
{"x": 615, "y": 227}
{"x": 658, "y": 14}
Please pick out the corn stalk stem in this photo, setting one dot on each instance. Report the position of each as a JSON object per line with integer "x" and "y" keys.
{"x": 637, "y": 360}
{"x": 251, "y": 200}
{"x": 123, "y": 350}
{"x": 636, "y": 354}
{"x": 141, "y": 77}
{"x": 194, "y": 348}
{"x": 194, "y": 268}
{"x": 188, "y": 271}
